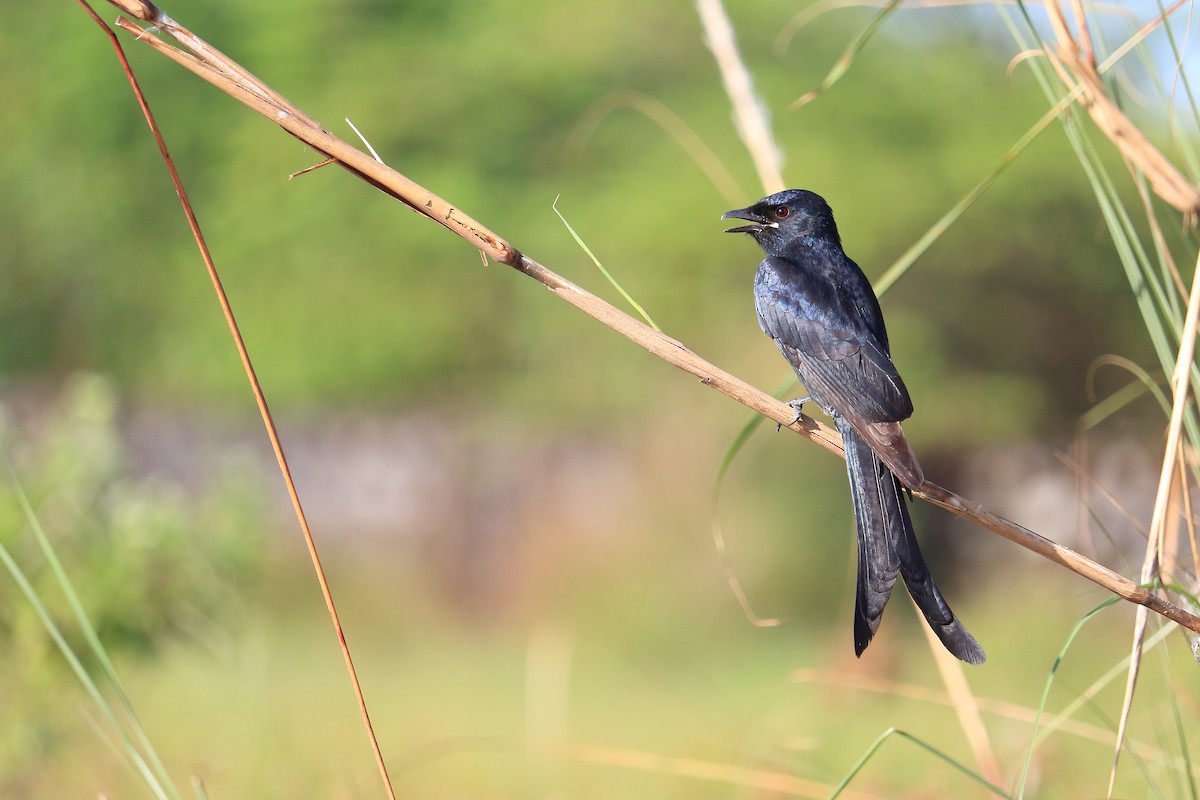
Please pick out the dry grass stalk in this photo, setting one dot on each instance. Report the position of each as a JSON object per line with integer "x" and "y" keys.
{"x": 225, "y": 75}
{"x": 767, "y": 782}
{"x": 1076, "y": 66}
{"x": 863, "y": 682}
{"x": 966, "y": 708}
{"x": 749, "y": 114}
{"x": 1163, "y": 505}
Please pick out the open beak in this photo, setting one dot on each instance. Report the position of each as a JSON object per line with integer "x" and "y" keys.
{"x": 747, "y": 214}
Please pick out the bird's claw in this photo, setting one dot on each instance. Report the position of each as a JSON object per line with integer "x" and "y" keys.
{"x": 796, "y": 405}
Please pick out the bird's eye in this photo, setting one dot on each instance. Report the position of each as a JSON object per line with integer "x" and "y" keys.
{"x": 781, "y": 212}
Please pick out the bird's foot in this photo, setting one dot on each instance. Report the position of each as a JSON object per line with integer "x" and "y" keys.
{"x": 796, "y": 405}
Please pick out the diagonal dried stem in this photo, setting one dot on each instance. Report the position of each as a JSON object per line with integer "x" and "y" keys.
{"x": 660, "y": 345}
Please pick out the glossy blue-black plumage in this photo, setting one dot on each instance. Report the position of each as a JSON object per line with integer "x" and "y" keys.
{"x": 820, "y": 309}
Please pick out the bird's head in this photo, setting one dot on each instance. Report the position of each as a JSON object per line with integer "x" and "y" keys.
{"x": 785, "y": 217}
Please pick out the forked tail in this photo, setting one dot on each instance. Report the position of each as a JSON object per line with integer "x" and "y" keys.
{"x": 887, "y": 546}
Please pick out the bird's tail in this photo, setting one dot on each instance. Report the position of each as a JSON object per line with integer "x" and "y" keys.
{"x": 887, "y": 546}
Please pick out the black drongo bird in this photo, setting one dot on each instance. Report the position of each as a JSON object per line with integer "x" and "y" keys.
{"x": 823, "y": 315}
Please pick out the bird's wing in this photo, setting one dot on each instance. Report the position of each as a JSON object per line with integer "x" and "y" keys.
{"x": 791, "y": 327}
{"x": 843, "y": 366}
{"x": 863, "y": 387}
{"x": 875, "y": 414}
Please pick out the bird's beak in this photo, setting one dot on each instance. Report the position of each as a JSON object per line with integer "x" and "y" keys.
{"x": 748, "y": 214}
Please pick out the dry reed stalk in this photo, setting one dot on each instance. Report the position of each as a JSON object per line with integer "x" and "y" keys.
{"x": 1075, "y": 64}
{"x": 1181, "y": 391}
{"x": 749, "y": 113}
{"x": 966, "y": 708}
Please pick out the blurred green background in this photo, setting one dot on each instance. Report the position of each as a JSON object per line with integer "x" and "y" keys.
{"x": 513, "y": 502}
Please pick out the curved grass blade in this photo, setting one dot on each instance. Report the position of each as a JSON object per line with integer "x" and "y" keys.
{"x": 1183, "y": 591}
{"x": 731, "y": 453}
{"x": 1154, "y": 301}
{"x": 670, "y": 123}
{"x": 1033, "y": 739}
{"x": 844, "y": 61}
{"x": 1116, "y": 401}
{"x": 1041, "y": 733}
{"x": 1085, "y": 697}
{"x": 862, "y": 762}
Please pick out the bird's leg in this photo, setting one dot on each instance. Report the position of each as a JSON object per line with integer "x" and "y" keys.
{"x": 796, "y": 405}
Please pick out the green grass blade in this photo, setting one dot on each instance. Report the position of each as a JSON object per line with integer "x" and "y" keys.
{"x": 198, "y": 788}
{"x": 156, "y": 778}
{"x": 731, "y": 453}
{"x": 1041, "y": 732}
{"x": 1183, "y": 592}
{"x": 1033, "y": 739}
{"x": 862, "y": 762}
{"x": 1143, "y": 384}
{"x": 918, "y": 248}
{"x": 844, "y": 61}
{"x": 579, "y": 241}
{"x": 1085, "y": 697}
{"x": 1181, "y": 734}
{"x": 743, "y": 436}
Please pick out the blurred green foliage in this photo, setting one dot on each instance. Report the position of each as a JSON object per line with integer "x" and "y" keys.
{"x": 347, "y": 299}
{"x": 148, "y": 559}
